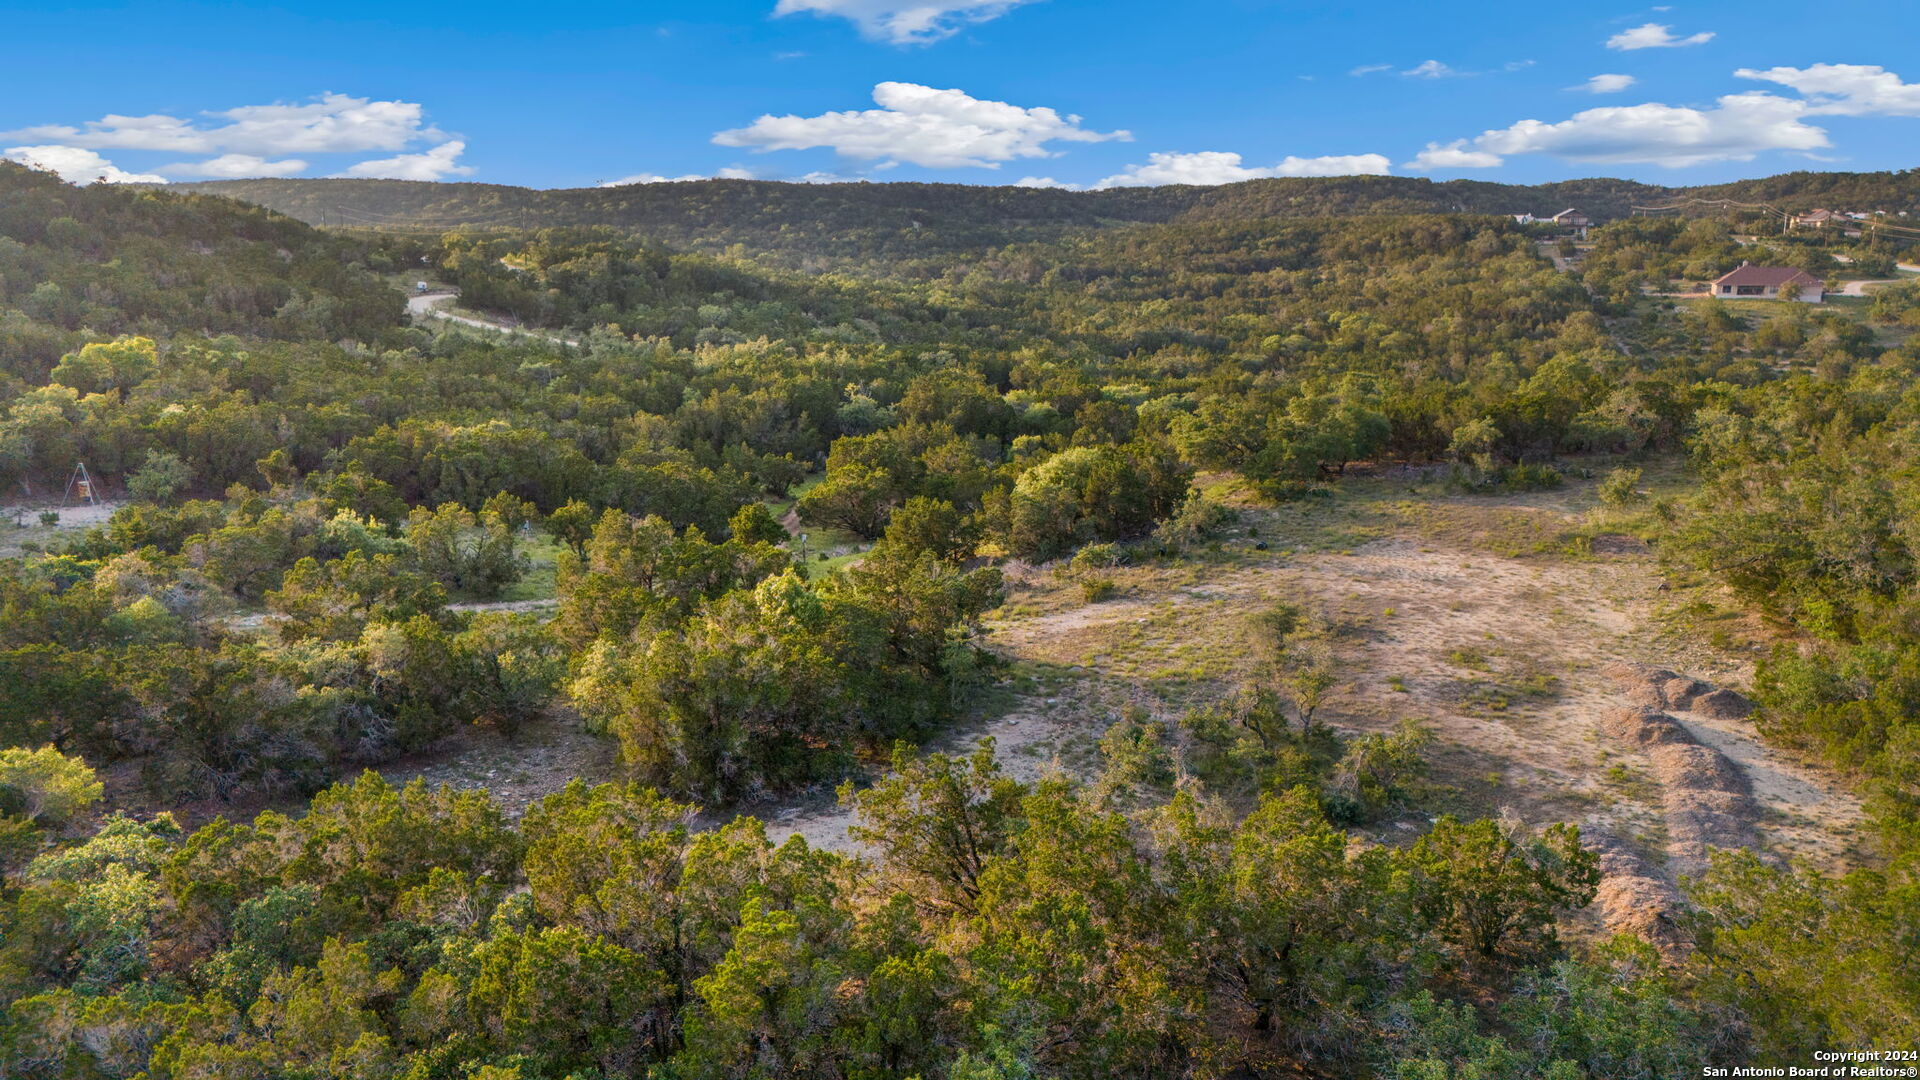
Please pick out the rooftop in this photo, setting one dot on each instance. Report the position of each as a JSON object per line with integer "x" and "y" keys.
{"x": 1774, "y": 276}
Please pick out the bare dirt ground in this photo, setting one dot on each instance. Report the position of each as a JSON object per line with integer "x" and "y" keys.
{"x": 537, "y": 761}
{"x": 20, "y": 522}
{"x": 1487, "y": 618}
{"x": 519, "y": 606}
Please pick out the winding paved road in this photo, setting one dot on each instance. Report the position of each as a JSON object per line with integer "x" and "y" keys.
{"x": 1859, "y": 288}
{"x": 433, "y": 306}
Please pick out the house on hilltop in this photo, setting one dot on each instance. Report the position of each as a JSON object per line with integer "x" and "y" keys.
{"x": 1750, "y": 282}
{"x": 1573, "y": 219}
{"x": 1813, "y": 219}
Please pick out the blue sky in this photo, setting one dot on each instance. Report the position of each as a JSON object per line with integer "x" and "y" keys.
{"x": 1083, "y": 93}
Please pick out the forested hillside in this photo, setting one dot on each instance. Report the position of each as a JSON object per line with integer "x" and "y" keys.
{"x": 796, "y": 221}
{"x": 112, "y": 262}
{"x": 1288, "y": 513}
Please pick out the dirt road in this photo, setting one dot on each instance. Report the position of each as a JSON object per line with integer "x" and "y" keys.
{"x": 1551, "y": 250}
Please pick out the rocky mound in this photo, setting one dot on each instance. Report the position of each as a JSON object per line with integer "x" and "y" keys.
{"x": 1644, "y": 727}
{"x": 1632, "y": 896}
{"x": 1680, "y": 691}
{"x": 1651, "y": 687}
{"x": 1707, "y": 798}
{"x": 1692, "y": 767}
{"x": 1723, "y": 705}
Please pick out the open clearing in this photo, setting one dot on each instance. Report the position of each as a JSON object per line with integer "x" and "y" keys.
{"x": 537, "y": 761}
{"x": 1492, "y": 619}
{"x": 1488, "y": 618}
{"x": 20, "y": 526}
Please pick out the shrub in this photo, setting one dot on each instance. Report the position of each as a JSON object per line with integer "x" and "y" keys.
{"x": 1098, "y": 557}
{"x": 1198, "y": 520}
{"x": 1094, "y": 493}
{"x": 162, "y": 477}
{"x": 1097, "y": 589}
{"x": 1375, "y": 772}
{"x": 1525, "y": 476}
{"x": 46, "y": 786}
{"x": 1621, "y": 488}
{"x": 931, "y": 525}
{"x": 1528, "y": 477}
{"x": 472, "y": 555}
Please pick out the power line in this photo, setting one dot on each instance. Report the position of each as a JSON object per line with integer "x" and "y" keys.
{"x": 1720, "y": 203}
{"x": 1900, "y": 232}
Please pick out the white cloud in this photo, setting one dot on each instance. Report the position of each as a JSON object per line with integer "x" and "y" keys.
{"x": 330, "y": 124}
{"x": 729, "y": 173}
{"x": 905, "y": 22}
{"x": 1453, "y": 155}
{"x": 939, "y": 129}
{"x": 77, "y": 165}
{"x": 235, "y": 167}
{"x": 648, "y": 178}
{"x": 436, "y": 164}
{"x": 1334, "y": 165}
{"x": 1218, "y": 167}
{"x": 1439, "y": 69}
{"x": 261, "y": 140}
{"x": 1655, "y": 36}
{"x": 1739, "y": 127}
{"x": 1846, "y": 89}
{"x": 1606, "y": 84}
{"x": 1045, "y": 182}
{"x": 115, "y": 132}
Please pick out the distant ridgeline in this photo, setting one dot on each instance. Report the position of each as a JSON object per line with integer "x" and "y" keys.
{"x": 898, "y": 219}
{"x": 85, "y": 263}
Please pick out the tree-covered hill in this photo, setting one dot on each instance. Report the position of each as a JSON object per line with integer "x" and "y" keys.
{"x": 897, "y": 220}
{"x": 816, "y": 474}
{"x": 78, "y": 262}
{"x": 891, "y": 221}
{"x": 894, "y": 220}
